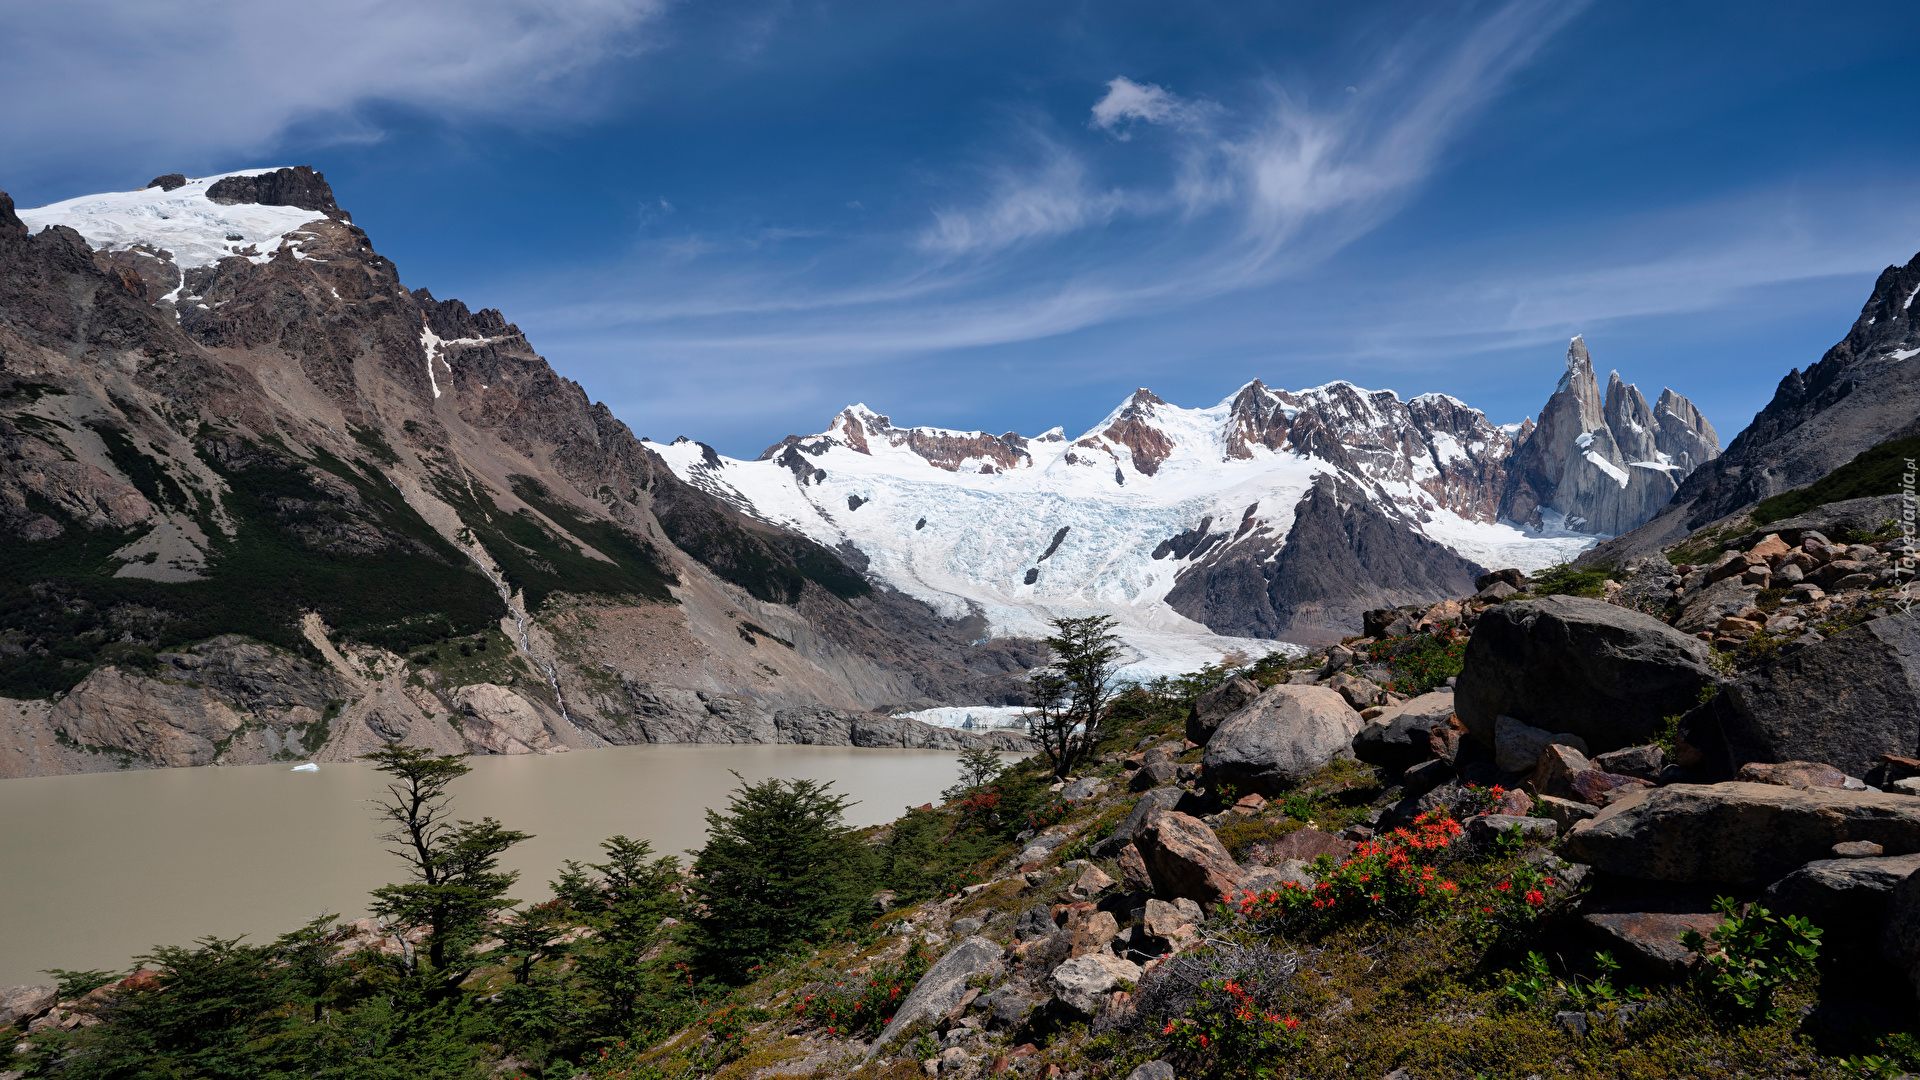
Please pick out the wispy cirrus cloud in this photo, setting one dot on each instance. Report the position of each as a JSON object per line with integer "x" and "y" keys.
{"x": 209, "y": 78}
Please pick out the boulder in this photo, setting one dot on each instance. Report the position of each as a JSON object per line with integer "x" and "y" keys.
{"x": 1737, "y": 833}
{"x": 942, "y": 987}
{"x": 19, "y": 1003}
{"x": 1553, "y": 774}
{"x": 1644, "y": 928}
{"x": 1286, "y": 735}
{"x": 1153, "y": 1070}
{"x": 1184, "y": 858}
{"x": 1083, "y": 983}
{"x": 1386, "y": 622}
{"x": 1035, "y": 923}
{"x": 1485, "y": 830}
{"x": 1845, "y": 897}
{"x": 1426, "y": 776}
{"x": 1793, "y": 774}
{"x": 1517, "y": 745}
{"x": 1262, "y": 878}
{"x": 1082, "y": 789}
{"x": 1644, "y": 762}
{"x": 1308, "y": 844}
{"x": 1402, "y": 736}
{"x": 1133, "y": 870}
{"x": 1094, "y": 934}
{"x": 1164, "y": 798}
{"x": 1857, "y": 849}
{"x": 1585, "y": 667}
{"x": 1844, "y": 701}
{"x": 1214, "y": 706}
{"x": 1512, "y": 578}
{"x": 1154, "y": 774}
{"x": 1900, "y": 939}
{"x": 1359, "y": 691}
{"x": 1091, "y": 883}
{"x": 1495, "y": 593}
{"x": 1703, "y": 610}
{"x": 1565, "y": 812}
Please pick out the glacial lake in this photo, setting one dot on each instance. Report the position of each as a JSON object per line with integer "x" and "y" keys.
{"x": 97, "y": 869}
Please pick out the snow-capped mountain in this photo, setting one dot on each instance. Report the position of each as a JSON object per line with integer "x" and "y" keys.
{"x": 1273, "y": 513}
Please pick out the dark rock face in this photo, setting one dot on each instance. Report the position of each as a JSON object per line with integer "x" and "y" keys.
{"x": 1214, "y": 706}
{"x": 1846, "y": 897}
{"x": 1343, "y": 556}
{"x": 1402, "y": 737}
{"x": 1585, "y": 667}
{"x": 168, "y": 182}
{"x": 1843, "y": 701}
{"x": 1150, "y": 803}
{"x": 299, "y": 186}
{"x": 1859, "y": 395}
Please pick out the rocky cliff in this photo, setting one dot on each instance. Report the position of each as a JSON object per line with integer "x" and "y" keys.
{"x": 261, "y": 501}
{"x": 1863, "y": 392}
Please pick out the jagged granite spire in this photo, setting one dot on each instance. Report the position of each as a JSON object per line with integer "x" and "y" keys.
{"x": 1603, "y": 464}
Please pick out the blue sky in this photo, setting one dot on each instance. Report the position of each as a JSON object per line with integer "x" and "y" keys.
{"x": 728, "y": 220}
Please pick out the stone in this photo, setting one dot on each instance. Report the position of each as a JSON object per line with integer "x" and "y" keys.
{"x": 1091, "y": 883}
{"x": 1553, "y": 773}
{"x": 1565, "y": 812}
{"x": 1645, "y": 930}
{"x": 1037, "y": 922}
{"x": 1009, "y": 1010}
{"x": 1517, "y": 745}
{"x": 1152, "y": 1070}
{"x": 1162, "y": 798}
{"x": 1402, "y": 736}
{"x": 1082, "y": 789}
{"x": 1485, "y": 830}
{"x": 1844, "y": 701}
{"x": 1133, "y": 870}
{"x": 1426, "y": 776}
{"x": 1769, "y": 546}
{"x": 18, "y": 1003}
{"x": 1857, "y": 849}
{"x": 1214, "y": 706}
{"x": 1642, "y": 762}
{"x": 1095, "y": 934}
{"x": 1286, "y": 735}
{"x": 1184, "y": 858}
{"x": 951, "y": 1060}
{"x": 1041, "y": 846}
{"x": 1847, "y": 898}
{"x": 967, "y": 926}
{"x": 942, "y": 987}
{"x": 1260, "y": 879}
{"x": 1254, "y": 803}
{"x": 1496, "y": 593}
{"x": 1737, "y": 833}
{"x": 1083, "y": 983}
{"x": 1900, "y": 938}
{"x": 1729, "y": 564}
{"x": 1583, "y": 667}
{"x": 1358, "y": 691}
{"x": 1596, "y": 788}
{"x": 1154, "y": 774}
{"x": 1308, "y": 844}
{"x": 1170, "y": 921}
{"x": 1807, "y": 592}
{"x": 1793, "y": 774}
{"x": 1509, "y": 576}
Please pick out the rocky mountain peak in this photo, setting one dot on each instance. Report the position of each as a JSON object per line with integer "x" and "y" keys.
{"x": 298, "y": 186}
{"x": 1603, "y": 463}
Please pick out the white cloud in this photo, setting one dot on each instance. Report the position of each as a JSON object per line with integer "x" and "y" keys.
{"x": 1127, "y": 100}
{"x": 206, "y": 78}
{"x": 1049, "y": 201}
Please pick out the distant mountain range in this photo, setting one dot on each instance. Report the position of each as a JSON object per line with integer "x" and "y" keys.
{"x": 259, "y": 500}
{"x": 1274, "y": 514}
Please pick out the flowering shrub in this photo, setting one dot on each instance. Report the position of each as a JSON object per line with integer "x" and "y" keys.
{"x": 1483, "y": 800}
{"x": 1750, "y": 957}
{"x": 1516, "y": 898}
{"x": 865, "y": 1006}
{"x": 1392, "y": 875}
{"x": 1423, "y": 663}
{"x": 1229, "y": 1025}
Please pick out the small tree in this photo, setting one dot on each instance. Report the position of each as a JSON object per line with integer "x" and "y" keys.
{"x": 635, "y": 894}
{"x": 457, "y": 886}
{"x": 311, "y": 961}
{"x": 780, "y": 866}
{"x": 1072, "y": 694}
{"x": 978, "y": 768}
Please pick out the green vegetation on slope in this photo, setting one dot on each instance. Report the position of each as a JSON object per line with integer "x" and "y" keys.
{"x": 1873, "y": 472}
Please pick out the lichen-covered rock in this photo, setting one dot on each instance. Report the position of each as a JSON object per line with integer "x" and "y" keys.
{"x": 941, "y": 988}
{"x": 1843, "y": 701}
{"x": 1083, "y": 983}
{"x": 1286, "y": 734}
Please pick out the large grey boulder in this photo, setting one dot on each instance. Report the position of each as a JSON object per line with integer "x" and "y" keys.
{"x": 1900, "y": 939}
{"x": 1843, "y": 701}
{"x": 1284, "y": 736}
{"x": 1214, "y": 706}
{"x": 1401, "y": 737}
{"x": 1585, "y": 667}
{"x": 1845, "y": 897}
{"x": 942, "y": 987}
{"x": 1738, "y": 833}
{"x": 1150, "y": 802}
